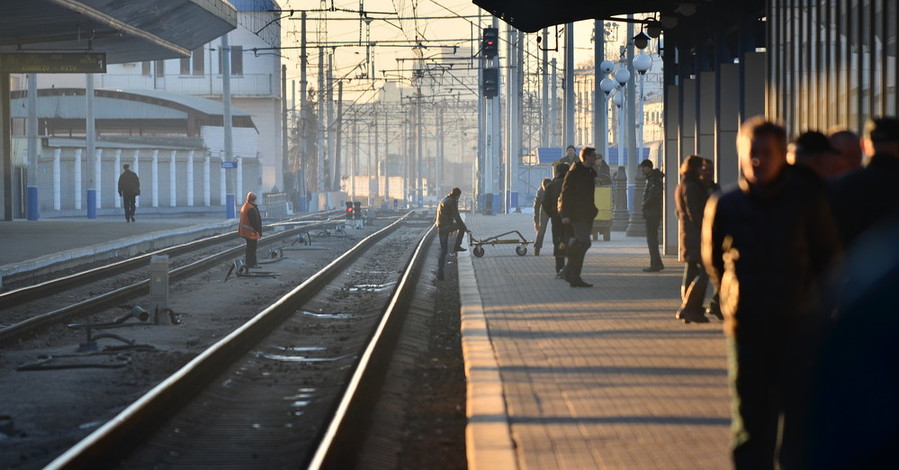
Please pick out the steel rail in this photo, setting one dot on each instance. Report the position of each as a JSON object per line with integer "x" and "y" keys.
{"x": 116, "y": 438}
{"x": 122, "y": 294}
{"x": 343, "y": 437}
{"x": 54, "y": 286}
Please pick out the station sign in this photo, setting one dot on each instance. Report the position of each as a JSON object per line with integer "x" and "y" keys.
{"x": 53, "y": 62}
{"x": 229, "y": 165}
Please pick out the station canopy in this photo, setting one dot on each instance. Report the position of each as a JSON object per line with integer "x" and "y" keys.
{"x": 127, "y": 31}
{"x": 533, "y": 15}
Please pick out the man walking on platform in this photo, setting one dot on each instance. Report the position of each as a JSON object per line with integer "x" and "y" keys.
{"x": 576, "y": 208}
{"x": 652, "y": 213}
{"x": 560, "y": 231}
{"x": 541, "y": 217}
{"x": 767, "y": 245}
{"x": 250, "y": 228}
{"x": 448, "y": 221}
{"x": 129, "y": 189}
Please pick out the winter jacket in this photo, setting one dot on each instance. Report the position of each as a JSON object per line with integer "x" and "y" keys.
{"x": 538, "y": 203}
{"x": 129, "y": 183}
{"x": 551, "y": 196}
{"x": 653, "y": 194}
{"x": 689, "y": 199}
{"x": 767, "y": 248}
{"x": 250, "y": 225}
{"x": 865, "y": 197}
{"x": 448, "y": 218}
{"x": 576, "y": 199}
{"x": 603, "y": 173}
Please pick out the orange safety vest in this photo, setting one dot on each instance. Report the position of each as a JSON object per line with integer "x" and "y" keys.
{"x": 244, "y": 229}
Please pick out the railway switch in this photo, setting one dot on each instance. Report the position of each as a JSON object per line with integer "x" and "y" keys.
{"x": 159, "y": 282}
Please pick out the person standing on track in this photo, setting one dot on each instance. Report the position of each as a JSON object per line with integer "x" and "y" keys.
{"x": 250, "y": 228}
{"x": 449, "y": 221}
{"x": 129, "y": 189}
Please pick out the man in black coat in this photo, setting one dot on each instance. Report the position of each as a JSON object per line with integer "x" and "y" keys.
{"x": 690, "y": 197}
{"x": 129, "y": 189}
{"x": 560, "y": 231}
{"x": 767, "y": 245}
{"x": 576, "y": 208}
{"x": 449, "y": 221}
{"x": 653, "y": 194}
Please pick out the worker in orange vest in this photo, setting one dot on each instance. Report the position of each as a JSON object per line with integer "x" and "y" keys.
{"x": 250, "y": 228}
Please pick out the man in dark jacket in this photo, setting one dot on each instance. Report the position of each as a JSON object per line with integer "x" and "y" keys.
{"x": 576, "y": 208}
{"x": 448, "y": 221}
{"x": 541, "y": 217}
{"x": 767, "y": 244}
{"x": 129, "y": 189}
{"x": 652, "y": 213}
{"x": 560, "y": 231}
{"x": 863, "y": 198}
{"x": 690, "y": 197}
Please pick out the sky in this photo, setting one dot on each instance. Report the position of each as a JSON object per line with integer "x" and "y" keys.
{"x": 434, "y": 22}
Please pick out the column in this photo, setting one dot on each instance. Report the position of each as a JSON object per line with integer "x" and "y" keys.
{"x": 190, "y": 178}
{"x": 98, "y": 172}
{"x": 135, "y": 167}
{"x": 117, "y": 201}
{"x": 207, "y": 182}
{"x": 57, "y": 180}
{"x": 173, "y": 187}
{"x": 240, "y": 193}
{"x": 223, "y": 195}
{"x": 154, "y": 170}
{"x": 78, "y": 195}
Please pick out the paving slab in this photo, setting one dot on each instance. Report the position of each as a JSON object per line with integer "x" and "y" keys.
{"x": 587, "y": 378}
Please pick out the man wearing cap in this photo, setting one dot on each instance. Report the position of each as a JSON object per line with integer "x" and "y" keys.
{"x": 576, "y": 208}
{"x": 863, "y": 198}
{"x": 250, "y": 228}
{"x": 652, "y": 212}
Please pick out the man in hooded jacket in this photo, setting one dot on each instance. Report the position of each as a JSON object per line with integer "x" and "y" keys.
{"x": 250, "y": 228}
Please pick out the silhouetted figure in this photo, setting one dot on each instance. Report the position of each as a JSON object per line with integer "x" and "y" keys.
{"x": 849, "y": 147}
{"x": 541, "y": 218}
{"x": 767, "y": 244}
{"x": 653, "y": 193}
{"x": 690, "y": 197}
{"x": 560, "y": 231}
{"x": 448, "y": 221}
{"x": 576, "y": 208}
{"x": 129, "y": 189}
{"x": 250, "y": 228}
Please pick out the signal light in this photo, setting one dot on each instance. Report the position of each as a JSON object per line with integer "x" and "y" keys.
{"x": 490, "y": 42}
{"x": 490, "y": 84}
{"x": 349, "y": 210}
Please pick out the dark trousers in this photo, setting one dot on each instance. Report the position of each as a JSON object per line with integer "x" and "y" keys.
{"x": 128, "y": 200}
{"x": 541, "y": 230}
{"x": 581, "y": 234}
{"x": 444, "y": 233}
{"x": 694, "y": 286}
{"x": 652, "y": 240}
{"x": 560, "y": 233}
{"x": 769, "y": 403}
{"x": 251, "y": 252}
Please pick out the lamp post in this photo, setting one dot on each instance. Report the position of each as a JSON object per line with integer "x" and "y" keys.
{"x": 642, "y": 63}
{"x": 622, "y": 76}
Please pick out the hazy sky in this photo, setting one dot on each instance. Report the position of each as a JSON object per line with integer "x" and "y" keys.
{"x": 396, "y": 20}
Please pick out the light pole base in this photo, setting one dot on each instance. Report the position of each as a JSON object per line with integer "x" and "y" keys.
{"x": 33, "y": 209}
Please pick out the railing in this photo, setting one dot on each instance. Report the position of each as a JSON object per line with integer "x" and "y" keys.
{"x": 252, "y": 84}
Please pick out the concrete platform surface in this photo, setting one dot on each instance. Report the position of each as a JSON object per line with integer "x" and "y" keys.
{"x": 587, "y": 378}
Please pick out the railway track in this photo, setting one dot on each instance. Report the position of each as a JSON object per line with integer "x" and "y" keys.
{"x": 122, "y": 294}
{"x": 265, "y": 396}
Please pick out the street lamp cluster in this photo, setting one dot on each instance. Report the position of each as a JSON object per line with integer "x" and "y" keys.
{"x": 613, "y": 85}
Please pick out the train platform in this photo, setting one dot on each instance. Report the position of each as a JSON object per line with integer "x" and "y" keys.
{"x": 586, "y": 378}
{"x": 52, "y": 243}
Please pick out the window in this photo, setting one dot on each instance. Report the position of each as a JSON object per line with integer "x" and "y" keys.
{"x": 193, "y": 65}
{"x": 236, "y": 60}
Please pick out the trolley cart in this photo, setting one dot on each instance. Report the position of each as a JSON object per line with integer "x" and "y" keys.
{"x": 520, "y": 250}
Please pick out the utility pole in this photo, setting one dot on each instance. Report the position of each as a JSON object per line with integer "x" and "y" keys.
{"x": 332, "y": 149}
{"x": 226, "y": 117}
{"x": 285, "y": 161}
{"x": 320, "y": 168}
{"x": 91, "y": 137}
{"x": 386, "y": 157}
{"x": 335, "y": 185}
{"x": 568, "y": 137}
{"x": 554, "y": 106}
{"x": 419, "y": 131}
{"x": 33, "y": 208}
{"x": 304, "y": 146}
{"x": 600, "y": 115}
{"x": 544, "y": 110}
